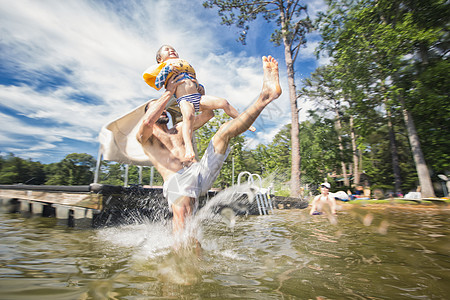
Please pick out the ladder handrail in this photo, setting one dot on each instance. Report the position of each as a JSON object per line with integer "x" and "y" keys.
{"x": 262, "y": 199}
{"x": 243, "y": 173}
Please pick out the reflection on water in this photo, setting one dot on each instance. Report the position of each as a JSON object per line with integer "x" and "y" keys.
{"x": 363, "y": 254}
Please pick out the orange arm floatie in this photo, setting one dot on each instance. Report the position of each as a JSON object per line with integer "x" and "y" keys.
{"x": 151, "y": 75}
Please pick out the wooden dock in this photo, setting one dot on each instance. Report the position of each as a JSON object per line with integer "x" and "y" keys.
{"x": 93, "y": 205}
{"x": 98, "y": 205}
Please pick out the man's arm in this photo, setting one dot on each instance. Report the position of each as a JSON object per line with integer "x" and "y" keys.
{"x": 313, "y": 205}
{"x": 155, "y": 110}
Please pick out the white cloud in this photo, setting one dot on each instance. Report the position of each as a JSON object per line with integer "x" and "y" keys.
{"x": 101, "y": 50}
{"x": 263, "y": 137}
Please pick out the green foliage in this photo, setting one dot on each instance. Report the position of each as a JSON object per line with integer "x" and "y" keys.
{"x": 275, "y": 158}
{"x": 391, "y": 54}
{"x": 15, "y": 170}
{"x": 428, "y": 101}
{"x": 111, "y": 173}
{"x": 74, "y": 169}
{"x": 319, "y": 145}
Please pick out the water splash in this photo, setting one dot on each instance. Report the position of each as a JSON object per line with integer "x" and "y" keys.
{"x": 152, "y": 237}
{"x": 177, "y": 259}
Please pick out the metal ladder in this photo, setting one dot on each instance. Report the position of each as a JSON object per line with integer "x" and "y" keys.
{"x": 262, "y": 196}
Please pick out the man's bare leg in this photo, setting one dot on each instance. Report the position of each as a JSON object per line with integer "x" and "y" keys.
{"x": 271, "y": 90}
{"x": 181, "y": 211}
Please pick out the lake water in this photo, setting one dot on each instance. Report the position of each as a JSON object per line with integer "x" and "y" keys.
{"x": 362, "y": 254}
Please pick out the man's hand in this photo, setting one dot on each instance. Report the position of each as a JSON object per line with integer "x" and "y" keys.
{"x": 174, "y": 82}
{"x": 201, "y": 89}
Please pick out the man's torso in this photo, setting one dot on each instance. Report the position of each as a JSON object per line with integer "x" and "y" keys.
{"x": 165, "y": 150}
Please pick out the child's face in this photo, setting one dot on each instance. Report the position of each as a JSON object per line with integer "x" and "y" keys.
{"x": 168, "y": 53}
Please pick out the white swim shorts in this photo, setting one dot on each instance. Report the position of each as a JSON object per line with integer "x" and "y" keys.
{"x": 197, "y": 179}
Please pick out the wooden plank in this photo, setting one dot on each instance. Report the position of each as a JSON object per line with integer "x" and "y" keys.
{"x": 87, "y": 200}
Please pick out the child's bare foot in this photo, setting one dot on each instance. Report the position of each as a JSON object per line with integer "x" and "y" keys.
{"x": 271, "y": 89}
{"x": 252, "y": 129}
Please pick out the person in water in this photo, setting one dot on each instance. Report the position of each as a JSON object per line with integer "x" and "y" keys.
{"x": 165, "y": 147}
{"x": 190, "y": 95}
{"x": 319, "y": 202}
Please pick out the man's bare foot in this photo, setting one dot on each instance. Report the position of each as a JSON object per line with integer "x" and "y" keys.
{"x": 271, "y": 89}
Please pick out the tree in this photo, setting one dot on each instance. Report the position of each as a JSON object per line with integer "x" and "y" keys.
{"x": 276, "y": 157}
{"x": 428, "y": 102}
{"x": 111, "y": 173}
{"x": 74, "y": 169}
{"x": 372, "y": 38}
{"x": 15, "y": 170}
{"x": 323, "y": 86}
{"x": 319, "y": 145}
{"x": 292, "y": 25}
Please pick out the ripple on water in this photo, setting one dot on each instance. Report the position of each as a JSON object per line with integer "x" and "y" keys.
{"x": 287, "y": 255}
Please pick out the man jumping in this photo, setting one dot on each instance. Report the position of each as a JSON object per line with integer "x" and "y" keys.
{"x": 183, "y": 184}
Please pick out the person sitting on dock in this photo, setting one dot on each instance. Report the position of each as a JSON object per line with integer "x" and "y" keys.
{"x": 323, "y": 199}
{"x": 185, "y": 181}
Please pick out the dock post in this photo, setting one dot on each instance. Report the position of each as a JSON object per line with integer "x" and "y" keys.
{"x": 80, "y": 217}
{"x": 25, "y": 208}
{"x": 125, "y": 181}
{"x": 98, "y": 164}
{"x": 152, "y": 174}
{"x": 9, "y": 205}
{"x": 37, "y": 208}
{"x": 62, "y": 213}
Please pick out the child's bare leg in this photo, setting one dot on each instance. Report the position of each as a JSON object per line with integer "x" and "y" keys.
{"x": 208, "y": 102}
{"x": 187, "y": 110}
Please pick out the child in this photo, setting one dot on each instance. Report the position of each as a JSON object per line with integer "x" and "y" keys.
{"x": 190, "y": 95}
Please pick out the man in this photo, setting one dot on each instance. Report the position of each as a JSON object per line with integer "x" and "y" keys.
{"x": 323, "y": 199}
{"x": 184, "y": 183}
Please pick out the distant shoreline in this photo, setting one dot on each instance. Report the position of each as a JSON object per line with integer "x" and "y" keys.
{"x": 435, "y": 204}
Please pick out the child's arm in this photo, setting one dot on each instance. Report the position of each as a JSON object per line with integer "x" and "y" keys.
{"x": 157, "y": 75}
{"x": 162, "y": 76}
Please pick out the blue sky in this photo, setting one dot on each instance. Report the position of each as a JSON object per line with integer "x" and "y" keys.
{"x": 69, "y": 67}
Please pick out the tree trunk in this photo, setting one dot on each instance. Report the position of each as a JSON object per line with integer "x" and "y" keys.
{"x": 393, "y": 145}
{"x": 356, "y": 172}
{"x": 422, "y": 170}
{"x": 295, "y": 142}
{"x": 341, "y": 146}
{"x": 394, "y": 153}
